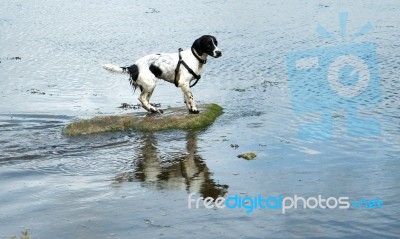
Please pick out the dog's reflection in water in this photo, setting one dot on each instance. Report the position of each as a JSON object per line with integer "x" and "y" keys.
{"x": 185, "y": 171}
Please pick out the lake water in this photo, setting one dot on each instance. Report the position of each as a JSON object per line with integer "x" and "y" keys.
{"x": 136, "y": 185}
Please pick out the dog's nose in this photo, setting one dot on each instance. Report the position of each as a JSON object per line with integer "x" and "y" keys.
{"x": 218, "y": 53}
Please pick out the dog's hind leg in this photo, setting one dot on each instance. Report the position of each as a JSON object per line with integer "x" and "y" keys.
{"x": 145, "y": 103}
{"x": 148, "y": 100}
{"x": 144, "y": 98}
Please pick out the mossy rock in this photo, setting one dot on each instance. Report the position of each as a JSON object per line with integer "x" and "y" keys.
{"x": 247, "y": 156}
{"x": 173, "y": 118}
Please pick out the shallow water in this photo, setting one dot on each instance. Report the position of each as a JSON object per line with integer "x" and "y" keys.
{"x": 130, "y": 184}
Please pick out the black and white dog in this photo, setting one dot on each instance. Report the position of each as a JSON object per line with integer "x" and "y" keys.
{"x": 179, "y": 68}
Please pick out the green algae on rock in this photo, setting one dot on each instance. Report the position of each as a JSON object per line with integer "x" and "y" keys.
{"x": 173, "y": 118}
{"x": 247, "y": 156}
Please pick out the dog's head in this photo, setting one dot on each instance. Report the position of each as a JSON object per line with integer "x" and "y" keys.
{"x": 207, "y": 45}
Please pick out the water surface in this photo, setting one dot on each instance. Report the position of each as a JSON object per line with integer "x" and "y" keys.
{"x": 131, "y": 184}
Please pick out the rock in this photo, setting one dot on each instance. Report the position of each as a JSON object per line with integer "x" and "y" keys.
{"x": 247, "y": 156}
{"x": 173, "y": 118}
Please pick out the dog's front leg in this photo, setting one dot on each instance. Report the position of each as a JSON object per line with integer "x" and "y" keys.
{"x": 189, "y": 100}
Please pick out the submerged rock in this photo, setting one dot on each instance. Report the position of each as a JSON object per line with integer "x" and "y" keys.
{"x": 173, "y": 118}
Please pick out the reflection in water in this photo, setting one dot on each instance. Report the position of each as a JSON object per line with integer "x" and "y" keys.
{"x": 186, "y": 171}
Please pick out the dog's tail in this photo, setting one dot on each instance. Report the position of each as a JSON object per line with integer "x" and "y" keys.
{"x": 115, "y": 69}
{"x": 132, "y": 70}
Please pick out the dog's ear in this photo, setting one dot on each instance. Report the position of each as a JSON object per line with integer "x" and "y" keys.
{"x": 197, "y": 46}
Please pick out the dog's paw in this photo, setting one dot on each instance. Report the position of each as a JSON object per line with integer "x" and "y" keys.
{"x": 156, "y": 111}
{"x": 194, "y": 111}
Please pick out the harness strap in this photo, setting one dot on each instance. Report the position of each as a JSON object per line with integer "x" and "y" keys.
{"x": 180, "y": 61}
{"x": 177, "y": 67}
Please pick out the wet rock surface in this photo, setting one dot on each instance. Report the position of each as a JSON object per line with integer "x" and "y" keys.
{"x": 172, "y": 118}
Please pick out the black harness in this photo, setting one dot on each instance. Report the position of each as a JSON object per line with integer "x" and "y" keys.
{"x": 180, "y": 61}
